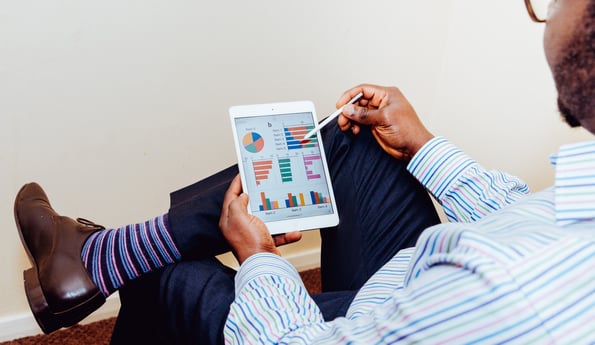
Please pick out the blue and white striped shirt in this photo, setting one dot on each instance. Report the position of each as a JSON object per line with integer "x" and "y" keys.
{"x": 510, "y": 267}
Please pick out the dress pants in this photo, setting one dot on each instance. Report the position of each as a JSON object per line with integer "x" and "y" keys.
{"x": 382, "y": 209}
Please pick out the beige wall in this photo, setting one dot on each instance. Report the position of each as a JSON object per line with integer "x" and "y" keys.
{"x": 110, "y": 105}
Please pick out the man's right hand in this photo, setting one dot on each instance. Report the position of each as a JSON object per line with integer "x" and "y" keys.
{"x": 392, "y": 119}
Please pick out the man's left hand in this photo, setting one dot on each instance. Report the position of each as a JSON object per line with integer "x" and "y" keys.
{"x": 246, "y": 233}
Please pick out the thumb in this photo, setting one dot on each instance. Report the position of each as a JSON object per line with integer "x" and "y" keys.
{"x": 243, "y": 198}
{"x": 361, "y": 115}
{"x": 240, "y": 204}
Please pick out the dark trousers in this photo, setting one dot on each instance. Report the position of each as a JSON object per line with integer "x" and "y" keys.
{"x": 382, "y": 209}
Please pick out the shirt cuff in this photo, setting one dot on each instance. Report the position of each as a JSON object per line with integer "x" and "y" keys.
{"x": 438, "y": 164}
{"x": 264, "y": 264}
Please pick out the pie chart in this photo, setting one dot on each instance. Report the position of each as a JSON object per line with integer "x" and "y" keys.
{"x": 253, "y": 142}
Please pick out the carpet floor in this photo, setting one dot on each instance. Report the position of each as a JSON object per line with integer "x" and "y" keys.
{"x": 99, "y": 333}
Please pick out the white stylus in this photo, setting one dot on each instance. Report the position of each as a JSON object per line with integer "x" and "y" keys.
{"x": 332, "y": 116}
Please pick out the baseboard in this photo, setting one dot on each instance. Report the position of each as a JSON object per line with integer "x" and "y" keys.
{"x": 23, "y": 324}
{"x": 305, "y": 260}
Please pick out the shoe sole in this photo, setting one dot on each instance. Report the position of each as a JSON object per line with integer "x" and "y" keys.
{"x": 47, "y": 320}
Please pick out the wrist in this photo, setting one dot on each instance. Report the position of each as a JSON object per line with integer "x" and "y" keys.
{"x": 245, "y": 254}
{"x": 420, "y": 140}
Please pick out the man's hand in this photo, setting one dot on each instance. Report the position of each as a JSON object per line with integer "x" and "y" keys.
{"x": 392, "y": 119}
{"x": 246, "y": 233}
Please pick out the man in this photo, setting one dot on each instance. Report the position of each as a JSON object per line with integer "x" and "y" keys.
{"x": 511, "y": 267}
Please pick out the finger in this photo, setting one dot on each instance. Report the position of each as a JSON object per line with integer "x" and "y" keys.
{"x": 239, "y": 204}
{"x": 234, "y": 189}
{"x": 287, "y": 238}
{"x": 348, "y": 95}
{"x": 372, "y": 94}
{"x": 236, "y": 185}
{"x": 362, "y": 115}
{"x": 344, "y": 123}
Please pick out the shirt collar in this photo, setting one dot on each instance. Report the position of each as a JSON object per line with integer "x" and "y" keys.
{"x": 575, "y": 183}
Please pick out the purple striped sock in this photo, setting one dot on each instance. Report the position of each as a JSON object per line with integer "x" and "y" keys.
{"x": 116, "y": 256}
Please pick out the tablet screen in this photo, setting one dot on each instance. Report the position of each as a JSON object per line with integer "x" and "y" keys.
{"x": 284, "y": 175}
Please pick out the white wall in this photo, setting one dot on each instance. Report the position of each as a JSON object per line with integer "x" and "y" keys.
{"x": 111, "y": 105}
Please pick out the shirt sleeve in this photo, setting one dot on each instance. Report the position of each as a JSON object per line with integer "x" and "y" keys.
{"x": 449, "y": 303}
{"x": 466, "y": 190}
{"x": 271, "y": 302}
{"x": 272, "y": 305}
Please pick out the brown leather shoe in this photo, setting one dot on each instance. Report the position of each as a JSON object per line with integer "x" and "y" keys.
{"x": 58, "y": 287}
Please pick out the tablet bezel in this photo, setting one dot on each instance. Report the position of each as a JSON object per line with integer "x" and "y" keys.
{"x": 284, "y": 108}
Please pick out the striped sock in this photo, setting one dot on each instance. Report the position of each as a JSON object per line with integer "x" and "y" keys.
{"x": 115, "y": 256}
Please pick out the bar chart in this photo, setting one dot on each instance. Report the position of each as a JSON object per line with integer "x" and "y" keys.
{"x": 285, "y": 170}
{"x": 294, "y": 137}
{"x": 293, "y": 200}
{"x": 262, "y": 170}
{"x": 313, "y": 166}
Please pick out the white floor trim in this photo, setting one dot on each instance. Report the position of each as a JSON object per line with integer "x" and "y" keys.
{"x": 305, "y": 260}
{"x": 23, "y": 324}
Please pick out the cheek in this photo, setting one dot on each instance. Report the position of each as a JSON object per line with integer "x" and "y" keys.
{"x": 560, "y": 27}
{"x": 553, "y": 42}
{"x": 547, "y": 47}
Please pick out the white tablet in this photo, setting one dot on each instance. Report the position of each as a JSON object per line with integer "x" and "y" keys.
{"x": 285, "y": 176}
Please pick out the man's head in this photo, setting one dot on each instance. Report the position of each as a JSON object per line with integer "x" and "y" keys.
{"x": 569, "y": 43}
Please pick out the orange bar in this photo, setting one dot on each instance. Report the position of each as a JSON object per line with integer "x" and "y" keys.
{"x": 290, "y": 198}
{"x": 264, "y": 200}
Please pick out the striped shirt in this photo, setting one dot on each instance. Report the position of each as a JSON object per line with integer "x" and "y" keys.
{"x": 506, "y": 268}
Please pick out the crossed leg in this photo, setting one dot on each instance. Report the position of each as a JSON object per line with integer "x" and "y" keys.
{"x": 382, "y": 209}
